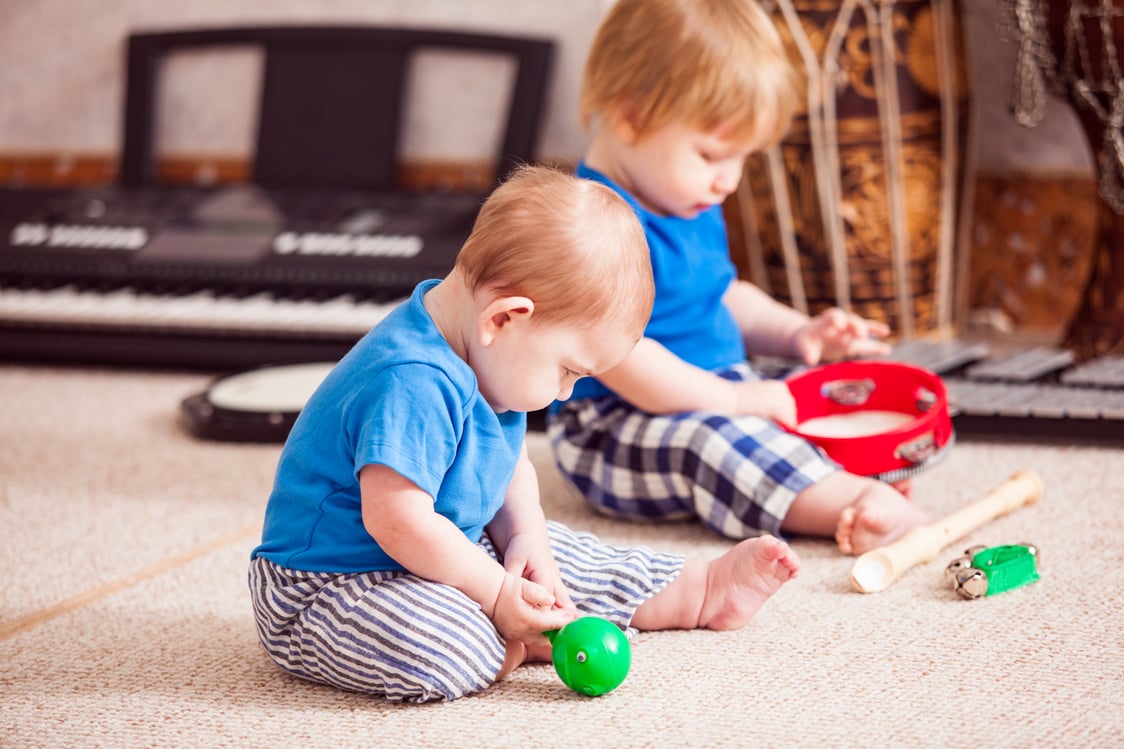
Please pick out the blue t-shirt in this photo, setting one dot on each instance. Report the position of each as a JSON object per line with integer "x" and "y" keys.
{"x": 400, "y": 398}
{"x": 692, "y": 270}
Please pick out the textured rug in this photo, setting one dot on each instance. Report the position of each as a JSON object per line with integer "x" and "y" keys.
{"x": 125, "y": 620}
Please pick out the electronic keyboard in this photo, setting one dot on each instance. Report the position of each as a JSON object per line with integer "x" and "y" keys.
{"x": 230, "y": 277}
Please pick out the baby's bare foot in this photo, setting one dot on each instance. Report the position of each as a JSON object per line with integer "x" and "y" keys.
{"x": 905, "y": 486}
{"x": 515, "y": 655}
{"x": 517, "y": 652}
{"x": 539, "y": 653}
{"x": 877, "y": 518}
{"x": 740, "y": 581}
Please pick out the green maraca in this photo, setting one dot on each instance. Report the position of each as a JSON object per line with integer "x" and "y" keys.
{"x": 591, "y": 655}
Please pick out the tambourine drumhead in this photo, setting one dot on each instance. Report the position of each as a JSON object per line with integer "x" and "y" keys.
{"x": 258, "y": 405}
{"x": 882, "y": 419}
{"x": 854, "y": 424}
{"x": 284, "y": 388}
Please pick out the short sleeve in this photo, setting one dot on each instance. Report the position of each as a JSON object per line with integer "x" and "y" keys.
{"x": 409, "y": 418}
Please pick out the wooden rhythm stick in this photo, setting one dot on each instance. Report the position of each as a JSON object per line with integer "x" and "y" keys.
{"x": 877, "y": 568}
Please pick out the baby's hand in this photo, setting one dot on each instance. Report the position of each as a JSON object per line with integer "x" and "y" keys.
{"x": 530, "y": 557}
{"x": 770, "y": 399}
{"x": 834, "y": 334}
{"x": 524, "y": 610}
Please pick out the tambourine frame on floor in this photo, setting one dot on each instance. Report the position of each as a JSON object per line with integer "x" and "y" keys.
{"x": 255, "y": 405}
{"x": 882, "y": 419}
{"x": 262, "y": 404}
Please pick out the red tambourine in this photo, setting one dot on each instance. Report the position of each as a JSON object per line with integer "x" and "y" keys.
{"x": 882, "y": 419}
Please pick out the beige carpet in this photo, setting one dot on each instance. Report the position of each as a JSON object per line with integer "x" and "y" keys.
{"x": 125, "y": 621}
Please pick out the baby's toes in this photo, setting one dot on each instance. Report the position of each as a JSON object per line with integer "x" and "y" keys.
{"x": 845, "y": 529}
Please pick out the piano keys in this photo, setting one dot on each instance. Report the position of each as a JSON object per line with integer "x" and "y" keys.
{"x": 128, "y": 307}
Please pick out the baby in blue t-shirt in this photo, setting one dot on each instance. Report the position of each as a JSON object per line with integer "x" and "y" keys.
{"x": 678, "y": 94}
{"x": 405, "y": 552}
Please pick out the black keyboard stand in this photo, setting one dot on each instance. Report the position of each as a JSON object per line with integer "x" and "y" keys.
{"x": 331, "y": 100}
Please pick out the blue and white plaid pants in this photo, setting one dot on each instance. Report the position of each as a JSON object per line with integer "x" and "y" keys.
{"x": 737, "y": 474}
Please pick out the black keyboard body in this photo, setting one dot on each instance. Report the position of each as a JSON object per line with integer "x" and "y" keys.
{"x": 235, "y": 241}
{"x": 232, "y": 237}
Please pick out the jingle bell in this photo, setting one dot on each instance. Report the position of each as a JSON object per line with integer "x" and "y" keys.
{"x": 956, "y": 566}
{"x": 986, "y": 571}
{"x": 971, "y": 583}
{"x": 962, "y": 563}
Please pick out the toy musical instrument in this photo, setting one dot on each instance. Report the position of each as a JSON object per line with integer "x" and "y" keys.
{"x": 884, "y": 419}
{"x": 877, "y": 569}
{"x": 591, "y": 655}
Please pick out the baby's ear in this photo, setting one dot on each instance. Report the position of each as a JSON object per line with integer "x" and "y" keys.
{"x": 622, "y": 118}
{"x": 501, "y": 313}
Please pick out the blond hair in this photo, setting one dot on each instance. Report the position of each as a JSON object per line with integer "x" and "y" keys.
{"x": 572, "y": 246}
{"x": 706, "y": 63}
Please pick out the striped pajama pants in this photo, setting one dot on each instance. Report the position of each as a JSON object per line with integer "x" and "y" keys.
{"x": 405, "y": 638}
{"x": 737, "y": 474}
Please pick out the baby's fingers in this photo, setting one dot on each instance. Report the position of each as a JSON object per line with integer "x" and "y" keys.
{"x": 535, "y": 594}
{"x": 539, "y": 621}
{"x": 553, "y": 619}
{"x": 869, "y": 347}
{"x": 877, "y": 329}
{"x": 562, "y": 597}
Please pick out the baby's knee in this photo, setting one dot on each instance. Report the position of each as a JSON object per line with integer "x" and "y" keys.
{"x": 420, "y": 680}
{"x": 878, "y": 489}
{"x": 436, "y": 686}
{"x": 853, "y": 487}
{"x": 444, "y": 669}
{"x": 408, "y": 671}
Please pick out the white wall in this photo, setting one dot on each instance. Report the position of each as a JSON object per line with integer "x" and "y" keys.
{"x": 62, "y": 62}
{"x": 61, "y": 75}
